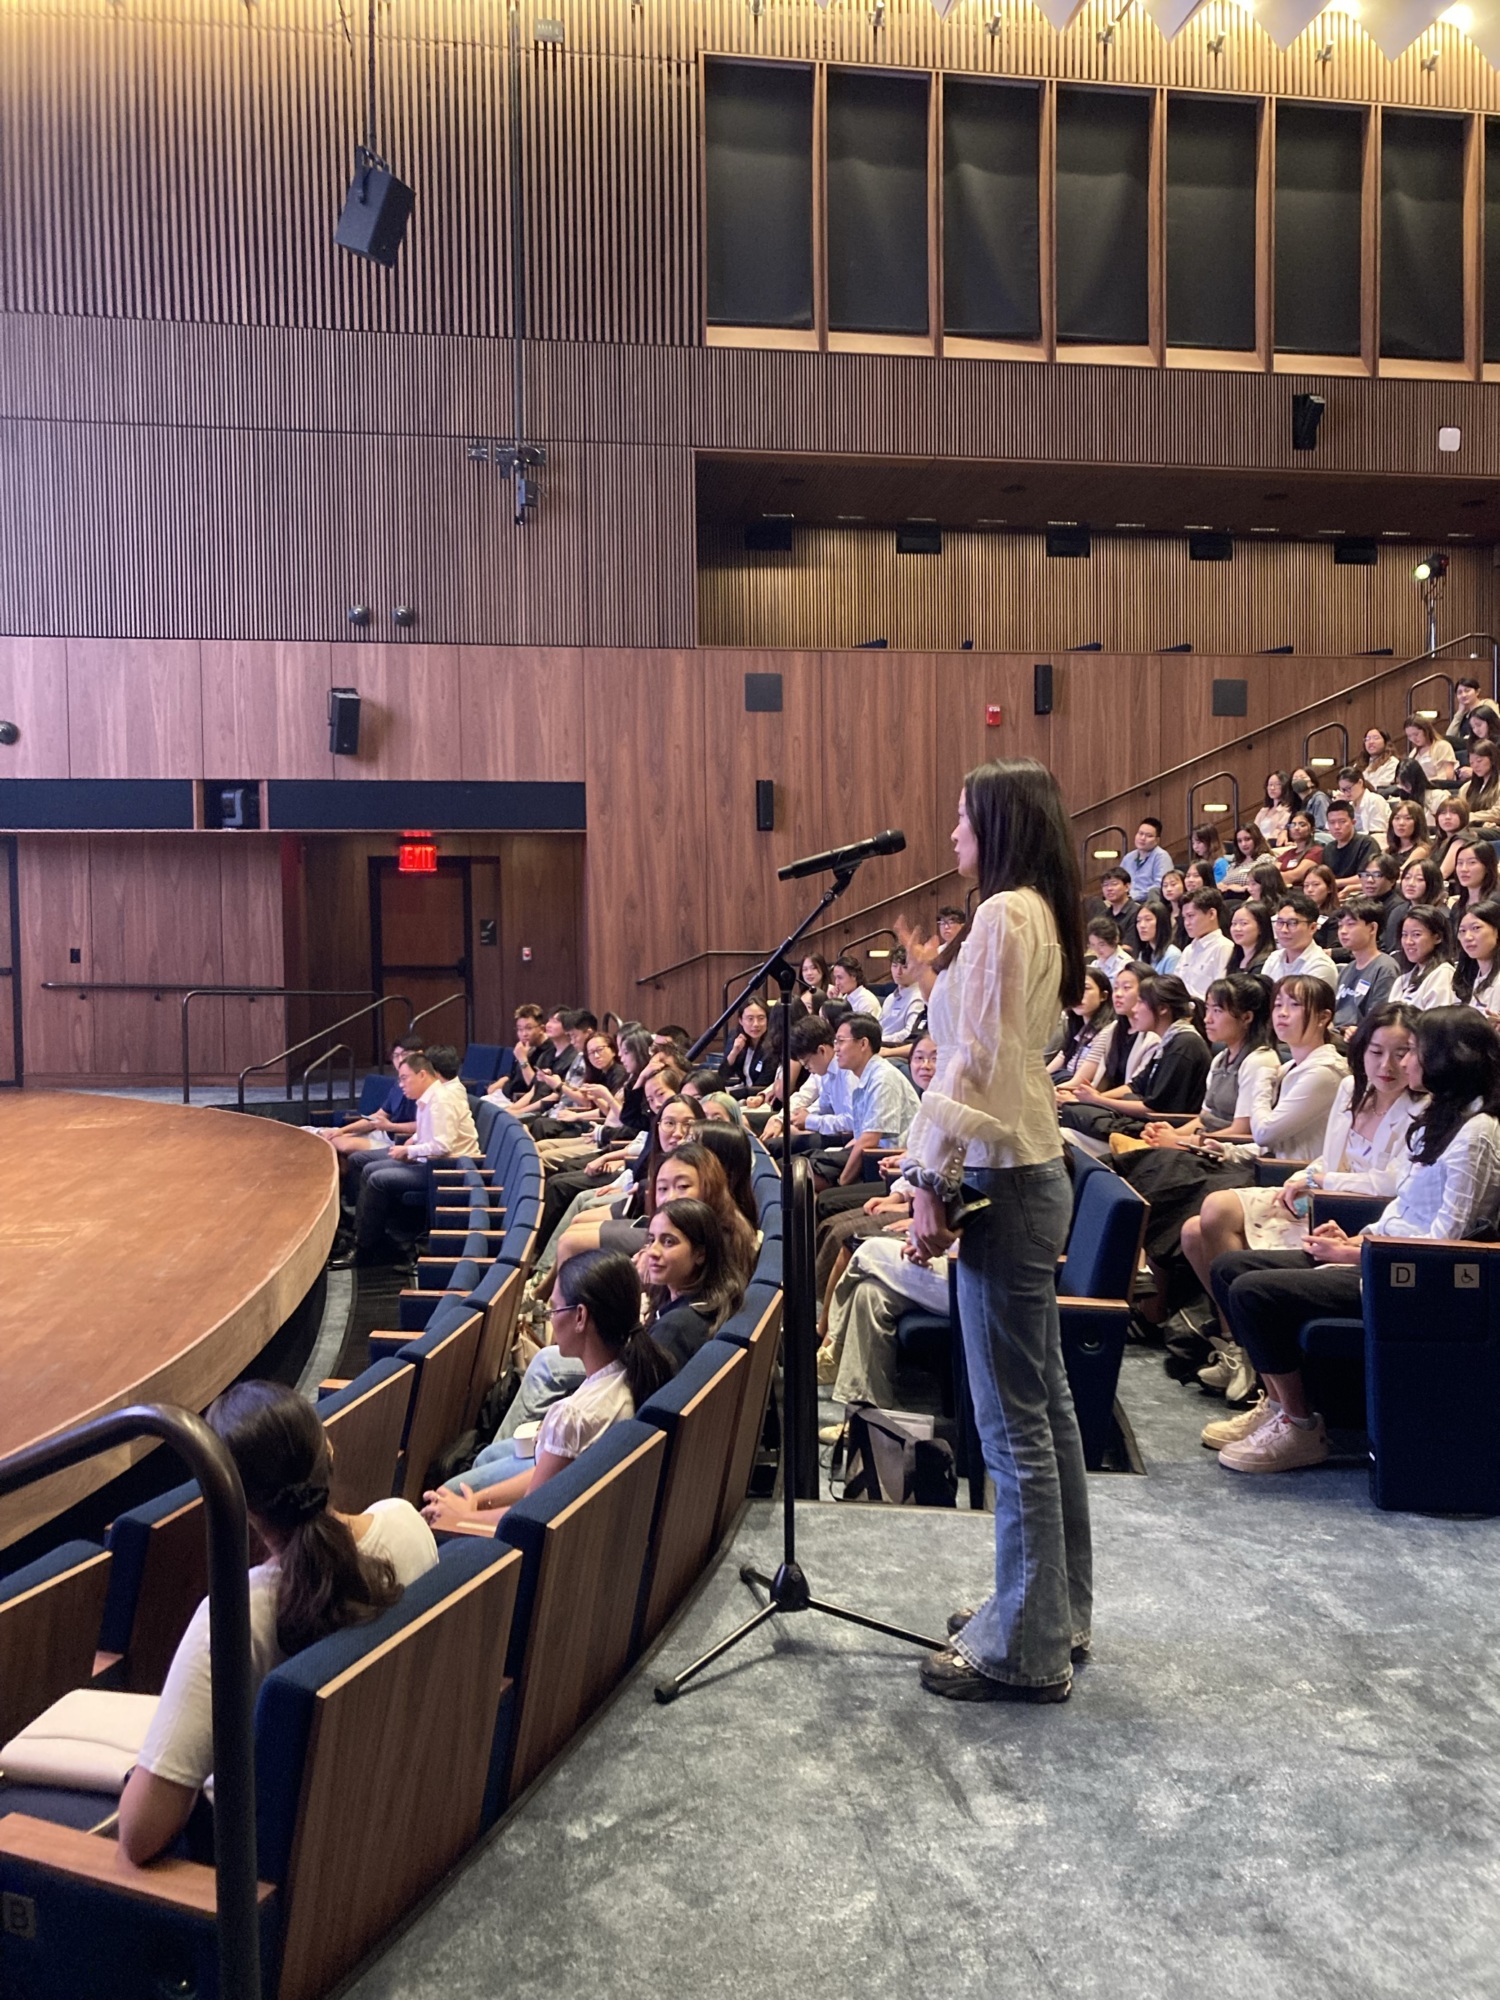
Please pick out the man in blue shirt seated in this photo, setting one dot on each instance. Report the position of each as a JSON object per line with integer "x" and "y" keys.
{"x": 1147, "y": 862}
{"x": 882, "y": 1105}
{"x": 364, "y": 1140}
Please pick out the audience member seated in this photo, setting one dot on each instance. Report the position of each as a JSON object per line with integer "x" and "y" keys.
{"x": 1311, "y": 796}
{"x": 1407, "y": 838}
{"x": 1088, "y": 1019}
{"x": 1451, "y": 1191}
{"x": 1378, "y": 881}
{"x": 1420, "y": 882}
{"x": 1476, "y": 873}
{"x": 1348, "y": 849}
{"x": 1153, "y": 936}
{"x": 1452, "y": 818}
{"x": 1237, "y": 1024}
{"x": 628, "y": 1203}
{"x": 1365, "y": 982}
{"x": 322, "y": 1571}
{"x": 951, "y": 921}
{"x": 530, "y": 1040}
{"x": 596, "y": 1323}
{"x": 385, "y": 1127}
{"x": 734, "y": 1153}
{"x": 1249, "y": 847}
{"x": 1303, "y": 849}
{"x": 812, "y": 985}
{"x": 444, "y": 1131}
{"x": 754, "y": 1056}
{"x": 1171, "y": 1079}
{"x": 847, "y": 977}
{"x": 1208, "y": 948}
{"x": 1118, "y": 905}
{"x": 1276, "y": 809}
{"x": 1206, "y": 848}
{"x": 1435, "y": 754}
{"x": 880, "y": 1284}
{"x": 1102, "y": 942}
{"x": 1321, "y": 889}
{"x": 548, "y": 1062}
{"x": 1371, "y": 812}
{"x": 1476, "y": 978}
{"x": 694, "y": 1282}
{"x": 1426, "y": 957}
{"x": 1146, "y": 862}
{"x": 903, "y": 1015}
{"x": 1267, "y": 884}
{"x": 1484, "y": 727}
{"x": 1173, "y": 892}
{"x": 1377, "y": 766}
{"x": 839, "y": 1233}
{"x": 587, "y": 1097}
{"x": 882, "y": 1104}
{"x": 1461, "y": 724}
{"x": 812, "y": 1053}
{"x": 1119, "y": 1051}
{"x": 1251, "y": 934}
{"x": 626, "y": 1172}
{"x": 1481, "y": 793}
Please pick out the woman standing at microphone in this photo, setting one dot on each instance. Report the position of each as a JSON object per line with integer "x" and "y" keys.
{"x": 988, "y": 1130}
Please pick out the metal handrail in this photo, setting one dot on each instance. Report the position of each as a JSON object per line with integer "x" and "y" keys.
{"x": 386, "y": 1000}
{"x": 1159, "y": 778}
{"x": 437, "y": 1007}
{"x": 193, "y": 993}
{"x": 338, "y": 1048}
{"x": 849, "y": 945}
{"x": 231, "y": 1695}
{"x": 749, "y": 952}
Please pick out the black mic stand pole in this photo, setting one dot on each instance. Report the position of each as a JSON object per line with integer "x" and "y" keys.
{"x": 788, "y": 1589}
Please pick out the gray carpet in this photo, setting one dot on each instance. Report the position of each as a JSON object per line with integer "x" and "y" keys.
{"x": 1278, "y": 1776}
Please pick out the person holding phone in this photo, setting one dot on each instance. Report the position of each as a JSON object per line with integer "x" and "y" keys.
{"x": 987, "y": 1130}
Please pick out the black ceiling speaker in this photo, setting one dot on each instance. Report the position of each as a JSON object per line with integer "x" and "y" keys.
{"x": 1069, "y": 543}
{"x": 376, "y": 211}
{"x": 377, "y": 207}
{"x": 1357, "y": 552}
{"x": 1210, "y": 548}
{"x": 1307, "y": 414}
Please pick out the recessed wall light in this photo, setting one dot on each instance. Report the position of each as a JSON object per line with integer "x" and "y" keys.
{"x": 1130, "y": 524}
{"x": 1062, "y": 524}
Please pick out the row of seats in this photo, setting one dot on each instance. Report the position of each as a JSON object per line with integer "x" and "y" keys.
{"x": 383, "y": 1752}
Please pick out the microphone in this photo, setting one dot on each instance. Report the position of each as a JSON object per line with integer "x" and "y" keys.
{"x": 892, "y": 841}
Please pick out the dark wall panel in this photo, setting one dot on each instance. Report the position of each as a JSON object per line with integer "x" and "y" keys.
{"x": 877, "y": 202}
{"x": 1421, "y": 236}
{"x": 991, "y": 227}
{"x": 1103, "y": 184}
{"x": 1211, "y": 144}
{"x": 1492, "y": 239}
{"x": 758, "y": 142}
{"x": 1318, "y": 176}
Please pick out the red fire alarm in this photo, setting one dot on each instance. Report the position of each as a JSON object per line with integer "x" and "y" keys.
{"x": 417, "y": 854}
{"x": 992, "y": 715}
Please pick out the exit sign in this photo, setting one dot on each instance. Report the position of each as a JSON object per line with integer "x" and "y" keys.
{"x": 417, "y": 855}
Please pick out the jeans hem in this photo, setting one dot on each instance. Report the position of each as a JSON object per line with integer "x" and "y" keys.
{"x": 1008, "y": 1680}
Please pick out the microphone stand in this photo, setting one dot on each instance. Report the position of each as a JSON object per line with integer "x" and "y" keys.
{"x": 788, "y": 1589}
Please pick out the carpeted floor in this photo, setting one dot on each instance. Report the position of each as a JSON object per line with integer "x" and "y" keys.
{"x": 1278, "y": 1776}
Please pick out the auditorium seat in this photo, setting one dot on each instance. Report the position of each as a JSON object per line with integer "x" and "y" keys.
{"x": 159, "y": 1578}
{"x": 583, "y": 1538}
{"x": 443, "y": 1357}
{"x": 498, "y": 1296}
{"x": 757, "y": 1328}
{"x": 49, "y": 1628}
{"x": 698, "y": 1410}
{"x": 366, "y": 1421}
{"x": 367, "y": 1793}
{"x": 483, "y": 1062}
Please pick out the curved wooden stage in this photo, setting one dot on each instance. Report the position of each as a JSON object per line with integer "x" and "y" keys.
{"x": 148, "y": 1252}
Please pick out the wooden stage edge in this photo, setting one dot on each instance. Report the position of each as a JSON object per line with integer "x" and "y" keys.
{"x": 150, "y": 1252}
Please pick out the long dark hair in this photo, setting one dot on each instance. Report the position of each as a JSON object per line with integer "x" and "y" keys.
{"x": 1079, "y": 1033}
{"x": 1460, "y": 1061}
{"x": 1437, "y": 923}
{"x": 1390, "y": 1014}
{"x": 1248, "y": 997}
{"x": 1162, "y": 917}
{"x": 281, "y": 1452}
{"x": 1024, "y": 841}
{"x": 720, "y": 1287}
{"x": 1265, "y": 940}
{"x": 605, "y": 1283}
{"x": 731, "y": 1148}
{"x": 1466, "y": 976}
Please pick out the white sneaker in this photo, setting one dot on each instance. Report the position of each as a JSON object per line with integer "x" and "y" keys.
{"x": 1216, "y": 1375}
{"x": 1230, "y": 1430}
{"x": 1242, "y": 1382}
{"x": 1278, "y": 1446}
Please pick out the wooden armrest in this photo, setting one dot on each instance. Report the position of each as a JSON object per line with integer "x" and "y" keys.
{"x": 388, "y": 1343}
{"x": 187, "y": 1885}
{"x": 1092, "y": 1305}
{"x": 420, "y": 1292}
{"x": 476, "y": 1530}
{"x": 331, "y": 1384}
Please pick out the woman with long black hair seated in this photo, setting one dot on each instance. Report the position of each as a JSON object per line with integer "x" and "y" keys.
{"x": 596, "y": 1321}
{"x": 1119, "y": 1050}
{"x": 1452, "y": 1190}
{"x": 1153, "y": 935}
{"x": 754, "y": 1055}
{"x": 1425, "y": 955}
{"x": 1254, "y": 938}
{"x": 1173, "y": 1077}
{"x": 323, "y": 1571}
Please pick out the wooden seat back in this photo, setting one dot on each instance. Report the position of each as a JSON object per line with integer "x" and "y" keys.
{"x": 762, "y": 1350}
{"x": 438, "y": 1403}
{"x": 496, "y": 1339}
{"x": 366, "y": 1438}
{"x": 699, "y": 1411}
{"x": 49, "y": 1627}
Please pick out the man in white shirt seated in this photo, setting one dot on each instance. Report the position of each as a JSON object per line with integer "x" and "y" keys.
{"x": 882, "y": 1105}
{"x": 1147, "y": 861}
{"x": 1295, "y": 922}
{"x": 820, "y": 1103}
{"x": 1207, "y": 952}
{"x": 1105, "y": 948}
{"x": 445, "y": 1131}
{"x": 903, "y": 1013}
{"x": 1372, "y": 814}
{"x": 847, "y": 978}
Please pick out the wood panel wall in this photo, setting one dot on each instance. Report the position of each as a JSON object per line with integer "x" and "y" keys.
{"x": 671, "y": 866}
{"x": 841, "y": 586}
{"x": 187, "y": 909}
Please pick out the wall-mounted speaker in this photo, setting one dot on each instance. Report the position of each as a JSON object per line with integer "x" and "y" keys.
{"x": 765, "y": 805}
{"x": 1307, "y": 414}
{"x": 376, "y": 212}
{"x": 343, "y": 721}
{"x": 1041, "y": 688}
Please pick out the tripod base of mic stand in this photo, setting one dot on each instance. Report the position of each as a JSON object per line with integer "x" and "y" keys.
{"x": 788, "y": 1591}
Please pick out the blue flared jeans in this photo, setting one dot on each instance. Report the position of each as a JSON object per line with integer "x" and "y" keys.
{"x": 1007, "y": 1293}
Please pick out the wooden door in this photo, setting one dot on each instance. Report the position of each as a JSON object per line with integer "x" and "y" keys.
{"x": 10, "y": 969}
{"x": 420, "y": 946}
